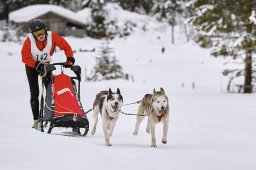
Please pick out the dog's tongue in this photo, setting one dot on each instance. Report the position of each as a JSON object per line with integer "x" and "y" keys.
{"x": 161, "y": 112}
{"x": 115, "y": 108}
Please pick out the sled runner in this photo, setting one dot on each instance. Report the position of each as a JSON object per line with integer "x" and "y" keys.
{"x": 61, "y": 106}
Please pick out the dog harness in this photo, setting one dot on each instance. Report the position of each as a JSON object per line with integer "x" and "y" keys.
{"x": 109, "y": 115}
{"x": 159, "y": 117}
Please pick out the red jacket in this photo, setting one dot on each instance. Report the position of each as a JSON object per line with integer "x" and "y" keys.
{"x": 56, "y": 41}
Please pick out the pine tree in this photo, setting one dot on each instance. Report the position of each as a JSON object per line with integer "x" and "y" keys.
{"x": 167, "y": 11}
{"x": 98, "y": 27}
{"x": 225, "y": 27}
{"x": 107, "y": 66}
{"x": 139, "y": 6}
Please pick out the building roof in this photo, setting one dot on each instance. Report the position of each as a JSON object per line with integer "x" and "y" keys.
{"x": 28, "y": 13}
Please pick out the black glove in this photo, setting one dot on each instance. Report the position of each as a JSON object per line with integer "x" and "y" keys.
{"x": 70, "y": 62}
{"x": 41, "y": 68}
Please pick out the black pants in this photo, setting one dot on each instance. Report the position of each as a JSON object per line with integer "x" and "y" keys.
{"x": 33, "y": 75}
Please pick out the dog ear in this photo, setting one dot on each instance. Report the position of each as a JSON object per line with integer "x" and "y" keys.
{"x": 162, "y": 90}
{"x": 110, "y": 91}
{"x": 154, "y": 91}
{"x": 118, "y": 91}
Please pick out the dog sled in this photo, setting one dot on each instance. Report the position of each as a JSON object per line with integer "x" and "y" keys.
{"x": 61, "y": 106}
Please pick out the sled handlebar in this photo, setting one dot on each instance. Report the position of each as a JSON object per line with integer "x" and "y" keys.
{"x": 76, "y": 69}
{"x": 61, "y": 64}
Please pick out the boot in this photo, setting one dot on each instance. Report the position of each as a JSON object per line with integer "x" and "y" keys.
{"x": 35, "y": 125}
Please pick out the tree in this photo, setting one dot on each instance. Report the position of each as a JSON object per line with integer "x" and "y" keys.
{"x": 8, "y": 6}
{"x": 101, "y": 24}
{"x": 139, "y": 6}
{"x": 167, "y": 11}
{"x": 225, "y": 27}
{"x": 107, "y": 66}
{"x": 98, "y": 27}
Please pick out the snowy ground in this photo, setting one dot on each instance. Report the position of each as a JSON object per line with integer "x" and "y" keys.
{"x": 209, "y": 129}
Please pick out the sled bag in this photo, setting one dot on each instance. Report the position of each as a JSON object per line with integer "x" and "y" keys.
{"x": 66, "y": 101}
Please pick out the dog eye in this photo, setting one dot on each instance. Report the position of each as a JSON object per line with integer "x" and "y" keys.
{"x": 157, "y": 101}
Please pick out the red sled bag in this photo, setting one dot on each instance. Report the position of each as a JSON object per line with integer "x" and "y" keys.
{"x": 65, "y": 98}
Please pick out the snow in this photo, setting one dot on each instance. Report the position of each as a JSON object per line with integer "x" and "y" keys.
{"x": 113, "y": 12}
{"x": 209, "y": 129}
{"x": 85, "y": 14}
{"x": 252, "y": 18}
{"x": 28, "y": 13}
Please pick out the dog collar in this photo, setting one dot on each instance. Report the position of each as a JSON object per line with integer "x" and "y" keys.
{"x": 109, "y": 115}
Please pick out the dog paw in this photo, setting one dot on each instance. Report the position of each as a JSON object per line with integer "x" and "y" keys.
{"x": 164, "y": 141}
{"x": 93, "y": 132}
{"x": 135, "y": 133}
{"x": 108, "y": 144}
{"x": 153, "y": 145}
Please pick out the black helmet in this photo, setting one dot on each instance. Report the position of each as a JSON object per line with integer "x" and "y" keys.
{"x": 37, "y": 24}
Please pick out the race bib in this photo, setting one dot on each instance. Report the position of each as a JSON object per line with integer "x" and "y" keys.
{"x": 44, "y": 55}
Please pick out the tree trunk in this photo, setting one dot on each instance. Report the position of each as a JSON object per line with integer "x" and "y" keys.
{"x": 248, "y": 63}
{"x": 248, "y": 72}
{"x": 172, "y": 33}
{"x": 186, "y": 32}
{"x": 7, "y": 11}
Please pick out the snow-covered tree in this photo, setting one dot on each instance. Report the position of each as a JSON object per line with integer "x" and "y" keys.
{"x": 97, "y": 28}
{"x": 225, "y": 27}
{"x": 75, "y": 5}
{"x": 167, "y": 11}
{"x": 102, "y": 25}
{"x": 139, "y": 6}
{"x": 107, "y": 66}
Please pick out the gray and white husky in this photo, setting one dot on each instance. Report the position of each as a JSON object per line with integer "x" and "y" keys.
{"x": 108, "y": 104}
{"x": 156, "y": 107}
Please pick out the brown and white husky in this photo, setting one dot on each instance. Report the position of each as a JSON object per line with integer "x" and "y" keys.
{"x": 155, "y": 106}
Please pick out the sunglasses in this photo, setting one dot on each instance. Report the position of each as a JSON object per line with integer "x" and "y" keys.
{"x": 39, "y": 32}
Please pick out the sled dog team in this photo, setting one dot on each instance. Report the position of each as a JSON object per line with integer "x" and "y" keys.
{"x": 155, "y": 106}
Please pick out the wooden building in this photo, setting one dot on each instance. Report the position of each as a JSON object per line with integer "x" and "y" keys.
{"x": 58, "y": 19}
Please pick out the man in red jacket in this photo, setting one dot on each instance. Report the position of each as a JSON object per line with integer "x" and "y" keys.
{"x": 36, "y": 53}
